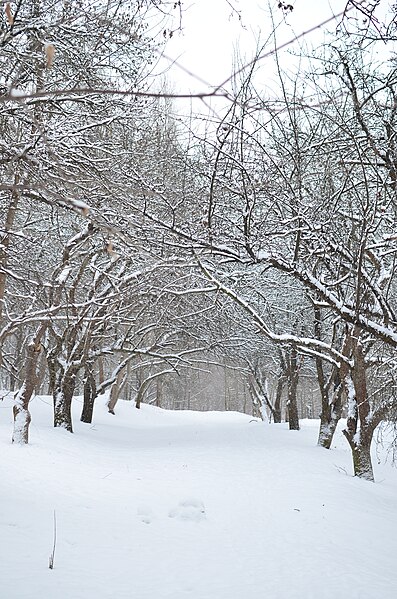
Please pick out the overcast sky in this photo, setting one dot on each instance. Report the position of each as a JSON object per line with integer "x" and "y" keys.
{"x": 212, "y": 32}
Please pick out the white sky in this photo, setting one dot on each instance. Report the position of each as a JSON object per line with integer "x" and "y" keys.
{"x": 212, "y": 32}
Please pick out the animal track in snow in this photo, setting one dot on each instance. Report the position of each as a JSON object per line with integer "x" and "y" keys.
{"x": 145, "y": 515}
{"x": 190, "y": 509}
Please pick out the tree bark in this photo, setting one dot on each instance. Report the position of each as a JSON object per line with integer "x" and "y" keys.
{"x": 63, "y": 395}
{"x": 277, "y": 402}
{"x": 41, "y": 370}
{"x": 258, "y": 386}
{"x": 292, "y": 404}
{"x": 331, "y": 412}
{"x": 115, "y": 391}
{"x": 328, "y": 427}
{"x": 21, "y": 412}
{"x": 5, "y": 241}
{"x": 159, "y": 392}
{"x": 101, "y": 370}
{"x": 361, "y": 423}
{"x": 89, "y": 397}
{"x": 361, "y": 453}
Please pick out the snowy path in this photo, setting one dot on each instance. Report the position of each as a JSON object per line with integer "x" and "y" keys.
{"x": 156, "y": 505}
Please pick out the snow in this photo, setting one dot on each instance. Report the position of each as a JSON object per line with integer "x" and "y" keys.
{"x": 351, "y": 397}
{"x": 17, "y": 93}
{"x": 262, "y": 255}
{"x": 158, "y": 504}
{"x": 63, "y": 275}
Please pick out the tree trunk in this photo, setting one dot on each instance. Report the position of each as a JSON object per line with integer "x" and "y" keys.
{"x": 5, "y": 247}
{"x": 225, "y": 383}
{"x": 5, "y": 241}
{"x": 51, "y": 375}
{"x": 277, "y": 402}
{"x": 293, "y": 417}
{"x": 101, "y": 370}
{"x": 331, "y": 413}
{"x": 140, "y": 389}
{"x": 331, "y": 405}
{"x": 361, "y": 423}
{"x": 63, "y": 395}
{"x": 259, "y": 390}
{"x": 115, "y": 392}
{"x": 159, "y": 392}
{"x": 15, "y": 370}
{"x": 22, "y": 415}
{"x": 259, "y": 405}
{"x": 361, "y": 452}
{"x": 327, "y": 430}
{"x": 292, "y": 404}
{"x": 256, "y": 411}
{"x": 41, "y": 370}
{"x": 139, "y": 396}
{"x": 89, "y": 397}
{"x": 144, "y": 387}
{"x": 362, "y": 462}
{"x": 21, "y": 412}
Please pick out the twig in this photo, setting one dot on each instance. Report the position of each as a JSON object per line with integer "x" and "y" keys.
{"x": 341, "y": 469}
{"x": 52, "y": 556}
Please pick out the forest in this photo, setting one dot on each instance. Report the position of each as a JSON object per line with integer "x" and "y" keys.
{"x": 247, "y": 265}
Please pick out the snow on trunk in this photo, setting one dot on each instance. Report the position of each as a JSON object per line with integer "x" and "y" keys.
{"x": 22, "y": 417}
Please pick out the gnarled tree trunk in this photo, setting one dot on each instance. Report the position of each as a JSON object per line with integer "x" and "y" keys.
{"x": 331, "y": 390}
{"x": 360, "y": 445}
{"x": 331, "y": 410}
{"x": 62, "y": 396}
{"x": 361, "y": 421}
{"x": 328, "y": 423}
{"x": 116, "y": 389}
{"x": 21, "y": 412}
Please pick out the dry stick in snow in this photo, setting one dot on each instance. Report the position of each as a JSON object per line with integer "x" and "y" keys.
{"x": 52, "y": 556}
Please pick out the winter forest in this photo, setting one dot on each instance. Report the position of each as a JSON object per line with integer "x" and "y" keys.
{"x": 155, "y": 259}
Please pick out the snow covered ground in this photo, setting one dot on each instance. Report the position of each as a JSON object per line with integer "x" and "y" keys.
{"x": 153, "y": 504}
